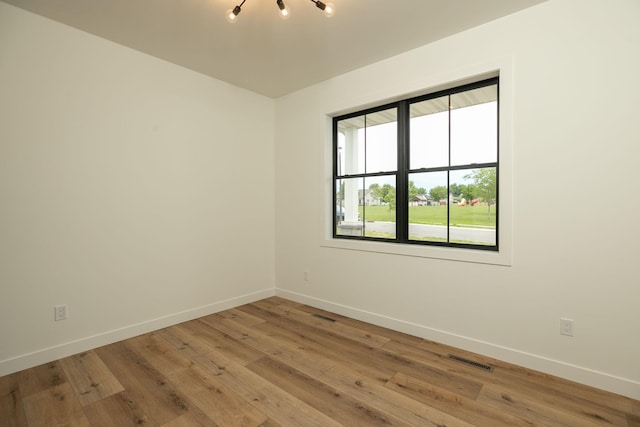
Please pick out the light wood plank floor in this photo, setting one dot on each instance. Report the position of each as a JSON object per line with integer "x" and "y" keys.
{"x": 280, "y": 363}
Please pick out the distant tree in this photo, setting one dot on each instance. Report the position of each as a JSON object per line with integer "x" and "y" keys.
{"x": 386, "y": 194}
{"x": 438, "y": 193}
{"x": 414, "y": 191}
{"x": 391, "y": 196}
{"x": 375, "y": 190}
{"x": 468, "y": 192}
{"x": 456, "y": 189}
{"x": 485, "y": 185}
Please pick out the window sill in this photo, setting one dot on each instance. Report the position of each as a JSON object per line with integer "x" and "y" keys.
{"x": 421, "y": 251}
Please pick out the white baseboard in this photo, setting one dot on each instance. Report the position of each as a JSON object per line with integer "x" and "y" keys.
{"x": 568, "y": 371}
{"x": 46, "y": 355}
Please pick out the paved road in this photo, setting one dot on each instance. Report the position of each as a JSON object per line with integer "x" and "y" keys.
{"x": 479, "y": 235}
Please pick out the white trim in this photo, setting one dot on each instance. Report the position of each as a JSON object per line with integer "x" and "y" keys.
{"x": 579, "y": 374}
{"x": 502, "y": 67}
{"x": 46, "y": 355}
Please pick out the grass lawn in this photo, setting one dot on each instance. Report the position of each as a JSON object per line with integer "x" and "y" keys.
{"x": 461, "y": 216}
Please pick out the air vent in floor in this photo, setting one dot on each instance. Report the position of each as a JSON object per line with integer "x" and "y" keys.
{"x": 484, "y": 366}
{"x": 320, "y": 316}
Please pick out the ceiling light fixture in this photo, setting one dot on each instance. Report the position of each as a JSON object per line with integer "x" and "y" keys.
{"x": 284, "y": 12}
{"x": 328, "y": 8}
{"x": 232, "y": 14}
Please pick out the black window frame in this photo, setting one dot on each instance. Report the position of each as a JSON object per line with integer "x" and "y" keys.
{"x": 403, "y": 170}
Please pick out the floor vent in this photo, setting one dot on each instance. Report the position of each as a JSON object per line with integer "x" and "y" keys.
{"x": 486, "y": 367}
{"x": 320, "y": 316}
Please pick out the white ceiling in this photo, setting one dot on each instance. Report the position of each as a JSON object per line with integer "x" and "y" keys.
{"x": 263, "y": 53}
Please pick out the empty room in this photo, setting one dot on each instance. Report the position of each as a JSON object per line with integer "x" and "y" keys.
{"x": 319, "y": 213}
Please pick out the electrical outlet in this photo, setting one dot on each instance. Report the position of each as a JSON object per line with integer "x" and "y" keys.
{"x": 306, "y": 276}
{"x": 60, "y": 312}
{"x": 566, "y": 327}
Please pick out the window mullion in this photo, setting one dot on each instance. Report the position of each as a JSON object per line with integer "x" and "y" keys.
{"x": 402, "y": 177}
{"x": 449, "y": 172}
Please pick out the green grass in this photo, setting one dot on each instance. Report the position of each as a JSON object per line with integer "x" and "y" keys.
{"x": 461, "y": 216}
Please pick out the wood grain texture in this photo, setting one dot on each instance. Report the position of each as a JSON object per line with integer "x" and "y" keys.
{"x": 11, "y": 404}
{"x": 55, "y": 406}
{"x": 276, "y": 363}
{"x": 90, "y": 377}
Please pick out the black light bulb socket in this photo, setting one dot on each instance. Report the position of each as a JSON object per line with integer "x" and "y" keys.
{"x": 237, "y": 10}
{"x": 320, "y": 5}
{"x": 280, "y": 4}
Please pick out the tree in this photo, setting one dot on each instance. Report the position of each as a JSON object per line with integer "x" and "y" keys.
{"x": 438, "y": 193}
{"x": 376, "y": 191}
{"x": 456, "y": 189}
{"x": 391, "y": 196}
{"x": 386, "y": 194}
{"x": 468, "y": 192}
{"x": 414, "y": 191}
{"x": 485, "y": 185}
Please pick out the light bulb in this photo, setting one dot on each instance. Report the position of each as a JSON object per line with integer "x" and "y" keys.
{"x": 329, "y": 10}
{"x": 232, "y": 14}
{"x": 284, "y": 11}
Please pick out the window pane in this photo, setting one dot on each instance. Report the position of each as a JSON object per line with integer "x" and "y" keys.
{"x": 474, "y": 126}
{"x": 449, "y": 157}
{"x": 381, "y": 141}
{"x": 428, "y": 214}
{"x": 378, "y": 207}
{"x": 429, "y": 131}
{"x": 347, "y": 213}
{"x": 473, "y": 211}
{"x": 368, "y": 143}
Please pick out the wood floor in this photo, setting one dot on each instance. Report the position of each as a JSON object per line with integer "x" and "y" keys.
{"x": 279, "y": 363}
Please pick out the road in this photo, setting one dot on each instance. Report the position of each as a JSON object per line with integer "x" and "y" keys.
{"x": 479, "y": 235}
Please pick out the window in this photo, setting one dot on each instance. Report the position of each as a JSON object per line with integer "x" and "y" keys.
{"x": 422, "y": 170}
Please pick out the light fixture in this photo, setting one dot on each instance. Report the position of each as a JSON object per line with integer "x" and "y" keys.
{"x": 232, "y": 14}
{"x": 284, "y": 12}
{"x": 328, "y": 8}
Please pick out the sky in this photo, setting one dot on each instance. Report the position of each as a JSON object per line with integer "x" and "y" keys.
{"x": 473, "y": 140}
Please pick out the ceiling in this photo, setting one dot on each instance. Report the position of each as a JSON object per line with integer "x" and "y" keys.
{"x": 262, "y": 52}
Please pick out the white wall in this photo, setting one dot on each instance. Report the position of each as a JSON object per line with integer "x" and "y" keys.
{"x": 574, "y": 68}
{"x": 126, "y": 192}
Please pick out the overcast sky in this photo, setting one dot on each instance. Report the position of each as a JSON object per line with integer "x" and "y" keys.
{"x": 473, "y": 140}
